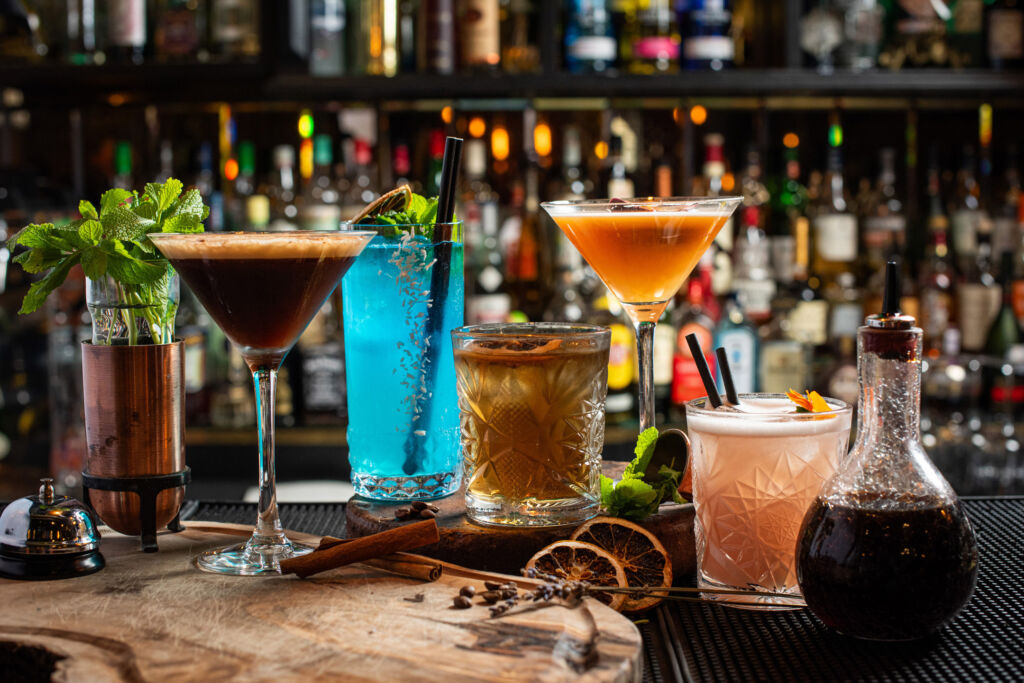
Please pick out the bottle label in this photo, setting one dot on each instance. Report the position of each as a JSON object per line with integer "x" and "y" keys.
{"x": 232, "y": 20}
{"x": 620, "y": 357}
{"x": 323, "y": 379}
{"x": 783, "y": 367}
{"x": 1006, "y": 34}
{"x": 846, "y": 318}
{"x": 127, "y": 23}
{"x": 808, "y": 322}
{"x": 708, "y": 48}
{"x": 894, "y": 223}
{"x": 979, "y": 305}
{"x": 488, "y": 308}
{"x": 656, "y": 48}
{"x": 938, "y": 311}
{"x": 836, "y": 237}
{"x": 741, "y": 350}
{"x": 593, "y": 49}
{"x": 844, "y": 384}
{"x": 965, "y": 231}
{"x": 195, "y": 363}
{"x": 664, "y": 348}
{"x": 479, "y": 34}
{"x": 755, "y": 297}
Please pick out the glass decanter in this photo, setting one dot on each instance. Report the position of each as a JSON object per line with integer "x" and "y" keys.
{"x": 885, "y": 551}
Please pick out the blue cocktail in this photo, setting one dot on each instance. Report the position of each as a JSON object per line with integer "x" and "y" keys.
{"x": 403, "y": 433}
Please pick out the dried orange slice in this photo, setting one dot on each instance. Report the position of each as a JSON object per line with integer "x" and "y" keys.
{"x": 576, "y": 561}
{"x": 641, "y": 554}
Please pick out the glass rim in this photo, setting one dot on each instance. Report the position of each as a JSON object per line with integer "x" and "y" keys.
{"x": 641, "y": 201}
{"x": 551, "y": 330}
{"x": 256, "y": 234}
{"x": 344, "y": 225}
{"x": 696, "y": 407}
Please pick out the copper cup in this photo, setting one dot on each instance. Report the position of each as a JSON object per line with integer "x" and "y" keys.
{"x": 134, "y": 425}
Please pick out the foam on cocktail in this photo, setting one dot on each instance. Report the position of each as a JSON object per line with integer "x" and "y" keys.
{"x": 260, "y": 246}
{"x": 764, "y": 418}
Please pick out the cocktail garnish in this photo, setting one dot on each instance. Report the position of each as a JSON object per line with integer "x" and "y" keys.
{"x": 811, "y": 403}
{"x": 638, "y": 494}
{"x": 405, "y": 208}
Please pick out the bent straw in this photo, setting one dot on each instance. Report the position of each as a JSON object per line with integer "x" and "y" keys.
{"x": 434, "y": 327}
{"x": 704, "y": 370}
{"x": 723, "y": 367}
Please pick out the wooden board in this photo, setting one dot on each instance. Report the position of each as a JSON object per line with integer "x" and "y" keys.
{"x": 506, "y": 550}
{"x": 152, "y": 617}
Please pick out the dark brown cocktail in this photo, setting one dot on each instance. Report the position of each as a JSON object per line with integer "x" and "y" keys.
{"x": 262, "y": 289}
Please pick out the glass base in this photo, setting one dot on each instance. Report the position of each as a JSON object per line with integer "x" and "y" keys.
{"x": 751, "y": 599}
{"x": 530, "y": 513}
{"x": 403, "y": 488}
{"x": 252, "y": 558}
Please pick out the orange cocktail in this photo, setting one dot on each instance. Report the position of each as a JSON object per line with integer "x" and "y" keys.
{"x": 643, "y": 249}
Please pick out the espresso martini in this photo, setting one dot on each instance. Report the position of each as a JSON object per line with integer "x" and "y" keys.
{"x": 263, "y": 289}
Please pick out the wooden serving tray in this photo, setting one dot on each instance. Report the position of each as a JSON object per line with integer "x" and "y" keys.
{"x": 507, "y": 550}
{"x": 156, "y": 617}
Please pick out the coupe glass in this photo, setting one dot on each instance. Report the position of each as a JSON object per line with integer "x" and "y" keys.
{"x": 643, "y": 250}
{"x": 263, "y": 289}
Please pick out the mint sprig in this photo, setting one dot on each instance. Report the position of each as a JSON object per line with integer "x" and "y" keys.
{"x": 114, "y": 241}
{"x": 421, "y": 211}
{"x": 645, "y": 484}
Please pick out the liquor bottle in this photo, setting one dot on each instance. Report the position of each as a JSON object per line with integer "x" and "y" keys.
{"x": 190, "y": 328}
{"x": 382, "y": 16}
{"x": 589, "y": 37}
{"x": 435, "y": 163}
{"x": 19, "y": 35}
{"x": 1005, "y": 235}
{"x": 790, "y": 201}
{"x": 487, "y": 299}
{"x": 884, "y": 229}
{"x": 862, "y": 33}
{"x": 436, "y": 48}
{"x": 361, "y": 173}
{"x": 808, "y": 319}
{"x": 619, "y": 404}
{"x": 205, "y": 182}
{"x": 122, "y": 165}
{"x": 966, "y": 212}
{"x": 327, "y": 24}
{"x": 281, "y": 190}
{"x": 650, "y": 38}
{"x": 840, "y": 375}
{"x": 742, "y": 346}
{"x": 620, "y": 185}
{"x": 321, "y": 369}
{"x": 574, "y": 182}
{"x": 319, "y": 209}
{"x": 357, "y": 39}
{"x": 1004, "y": 28}
{"x": 528, "y": 284}
{"x": 663, "y": 356}
{"x": 479, "y": 35}
{"x": 82, "y": 38}
{"x": 691, "y": 318}
{"x": 721, "y": 249}
{"x": 1005, "y": 332}
{"x": 978, "y": 293}
{"x": 835, "y": 226}
{"x": 244, "y": 187}
{"x": 408, "y": 41}
{"x": 519, "y": 53}
{"x": 706, "y": 40}
{"x": 180, "y": 31}
{"x": 937, "y": 274}
{"x": 232, "y": 403}
{"x": 752, "y": 275}
{"x": 235, "y": 28}
{"x": 965, "y": 29}
{"x": 126, "y": 31}
{"x": 568, "y": 303}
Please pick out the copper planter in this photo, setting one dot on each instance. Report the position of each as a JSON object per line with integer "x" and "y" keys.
{"x": 134, "y": 425}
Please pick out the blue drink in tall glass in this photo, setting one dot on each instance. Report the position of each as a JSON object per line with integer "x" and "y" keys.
{"x": 403, "y": 433}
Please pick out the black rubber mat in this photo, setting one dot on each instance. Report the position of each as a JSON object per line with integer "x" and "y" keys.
{"x": 684, "y": 641}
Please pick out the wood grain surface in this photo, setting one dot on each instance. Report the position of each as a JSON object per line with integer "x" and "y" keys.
{"x": 155, "y": 617}
{"x": 506, "y": 550}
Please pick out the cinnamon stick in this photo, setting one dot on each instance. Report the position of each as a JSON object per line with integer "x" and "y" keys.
{"x": 404, "y": 564}
{"x": 375, "y": 546}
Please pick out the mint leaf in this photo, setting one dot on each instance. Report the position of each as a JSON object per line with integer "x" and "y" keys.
{"x": 633, "y": 499}
{"x": 169, "y": 192}
{"x": 643, "y": 452}
{"x": 418, "y": 205}
{"x": 190, "y": 203}
{"x": 128, "y": 269}
{"x": 114, "y": 198}
{"x": 607, "y": 487}
{"x": 41, "y": 289}
{"x": 182, "y": 223}
{"x": 87, "y": 209}
{"x": 121, "y": 223}
{"x": 94, "y": 263}
{"x": 91, "y": 231}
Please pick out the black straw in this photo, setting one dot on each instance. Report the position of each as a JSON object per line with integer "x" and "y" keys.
{"x": 723, "y": 368}
{"x": 704, "y": 370}
{"x": 439, "y": 276}
{"x": 891, "y": 298}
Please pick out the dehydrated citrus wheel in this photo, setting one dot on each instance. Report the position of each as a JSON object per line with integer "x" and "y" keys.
{"x": 576, "y": 561}
{"x": 641, "y": 554}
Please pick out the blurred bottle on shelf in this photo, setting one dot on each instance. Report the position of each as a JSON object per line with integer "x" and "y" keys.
{"x": 1004, "y": 34}
{"x": 742, "y": 346}
{"x": 650, "y": 37}
{"x": 327, "y": 24}
{"x": 487, "y": 299}
{"x": 319, "y": 208}
{"x": 789, "y": 202}
{"x": 691, "y": 318}
{"x": 835, "y": 225}
{"x": 589, "y": 37}
{"x": 917, "y": 36}
{"x": 519, "y": 50}
{"x": 235, "y": 28}
{"x": 83, "y": 32}
{"x": 808, "y": 318}
{"x": 280, "y": 192}
{"x": 361, "y": 177}
{"x": 665, "y": 337}
{"x": 620, "y": 184}
{"x": 191, "y": 325}
{"x": 479, "y": 35}
{"x": 862, "y": 33}
{"x": 966, "y": 39}
{"x": 20, "y": 38}
{"x": 436, "y": 46}
{"x": 206, "y": 183}
{"x": 179, "y": 32}
{"x": 620, "y": 401}
{"x": 707, "y": 43}
{"x": 126, "y": 31}
{"x": 408, "y": 40}
{"x": 937, "y": 273}
{"x": 122, "y": 165}
{"x": 710, "y": 184}
{"x": 244, "y": 186}
{"x": 1004, "y": 334}
{"x": 356, "y": 36}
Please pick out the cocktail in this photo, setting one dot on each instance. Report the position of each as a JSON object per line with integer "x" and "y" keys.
{"x": 531, "y": 398}
{"x": 262, "y": 289}
{"x": 756, "y": 470}
{"x": 643, "y": 249}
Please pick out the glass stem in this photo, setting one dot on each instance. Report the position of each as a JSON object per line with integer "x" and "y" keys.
{"x": 645, "y": 356}
{"x": 268, "y": 525}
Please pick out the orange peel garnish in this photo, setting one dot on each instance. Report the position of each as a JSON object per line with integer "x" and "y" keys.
{"x": 812, "y": 402}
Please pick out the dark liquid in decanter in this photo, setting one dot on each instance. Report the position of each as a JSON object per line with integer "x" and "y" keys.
{"x": 886, "y": 574}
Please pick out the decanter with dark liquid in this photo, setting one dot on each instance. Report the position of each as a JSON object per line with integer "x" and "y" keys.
{"x": 885, "y": 551}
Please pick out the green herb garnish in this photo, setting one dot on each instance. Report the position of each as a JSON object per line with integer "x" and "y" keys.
{"x": 420, "y": 212}
{"x": 114, "y": 241}
{"x": 645, "y": 484}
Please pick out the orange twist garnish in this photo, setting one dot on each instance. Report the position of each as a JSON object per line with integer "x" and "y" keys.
{"x": 811, "y": 403}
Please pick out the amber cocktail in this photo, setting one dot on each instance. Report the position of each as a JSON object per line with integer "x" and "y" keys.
{"x": 263, "y": 289}
{"x": 643, "y": 249}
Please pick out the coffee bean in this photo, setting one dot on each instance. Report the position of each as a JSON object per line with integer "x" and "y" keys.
{"x": 468, "y": 591}
{"x": 402, "y": 513}
{"x": 434, "y": 508}
{"x": 461, "y": 602}
{"x": 427, "y": 514}
{"x": 492, "y": 585}
{"x": 419, "y": 505}
{"x": 490, "y": 597}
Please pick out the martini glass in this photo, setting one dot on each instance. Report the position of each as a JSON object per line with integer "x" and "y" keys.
{"x": 262, "y": 289}
{"x": 643, "y": 250}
